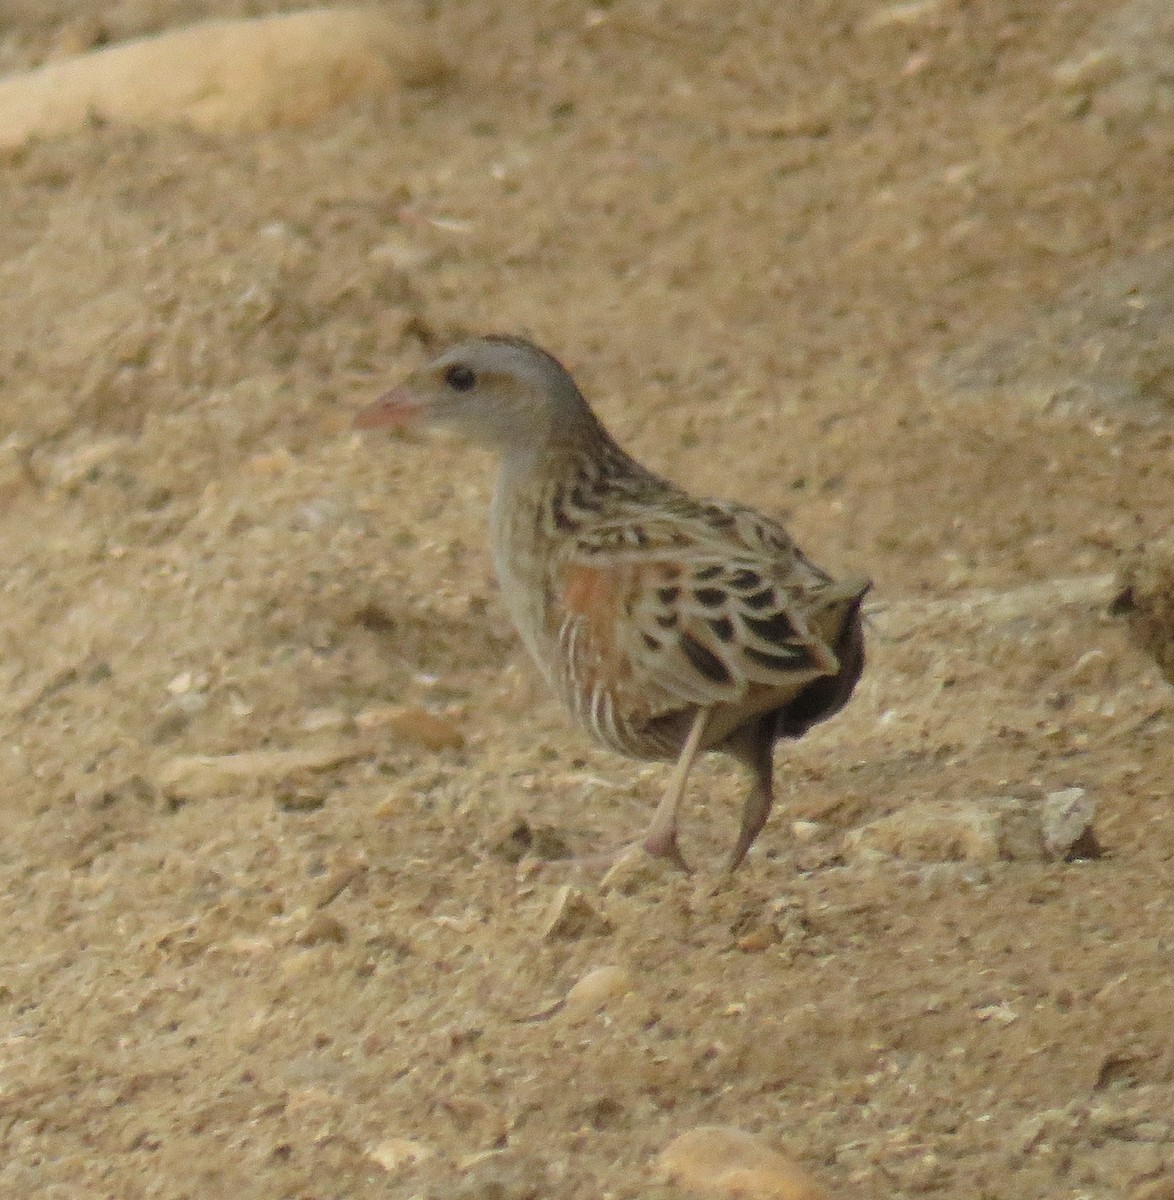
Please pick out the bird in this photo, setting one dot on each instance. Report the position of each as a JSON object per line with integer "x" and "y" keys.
{"x": 668, "y": 625}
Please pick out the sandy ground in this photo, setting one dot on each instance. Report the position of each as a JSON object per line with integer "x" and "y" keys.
{"x": 900, "y": 276}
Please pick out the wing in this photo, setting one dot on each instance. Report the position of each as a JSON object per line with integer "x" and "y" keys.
{"x": 719, "y": 628}
{"x": 697, "y": 603}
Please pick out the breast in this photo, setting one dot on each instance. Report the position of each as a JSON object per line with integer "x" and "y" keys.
{"x": 520, "y": 558}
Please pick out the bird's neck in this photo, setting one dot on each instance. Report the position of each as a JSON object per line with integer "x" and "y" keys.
{"x": 534, "y": 482}
{"x": 528, "y": 481}
{"x": 549, "y": 459}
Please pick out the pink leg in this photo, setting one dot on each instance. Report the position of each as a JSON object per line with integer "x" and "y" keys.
{"x": 661, "y": 838}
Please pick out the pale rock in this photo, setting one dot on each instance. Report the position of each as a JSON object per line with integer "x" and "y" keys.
{"x": 321, "y": 928}
{"x": 633, "y": 871}
{"x": 806, "y": 831}
{"x": 198, "y": 776}
{"x": 761, "y": 937}
{"x": 221, "y": 75}
{"x": 412, "y": 724}
{"x": 397, "y": 1153}
{"x": 984, "y": 830}
{"x": 1065, "y": 818}
{"x": 401, "y": 254}
{"x": 1090, "y": 70}
{"x": 730, "y": 1162}
{"x": 570, "y": 915}
{"x": 318, "y": 719}
{"x": 902, "y": 15}
{"x": 340, "y": 877}
{"x": 596, "y": 990}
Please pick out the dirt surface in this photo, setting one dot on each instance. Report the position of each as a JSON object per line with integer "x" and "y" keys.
{"x": 889, "y": 273}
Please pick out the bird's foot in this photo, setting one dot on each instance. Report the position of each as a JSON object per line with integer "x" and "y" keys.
{"x": 639, "y": 858}
{"x": 664, "y": 845}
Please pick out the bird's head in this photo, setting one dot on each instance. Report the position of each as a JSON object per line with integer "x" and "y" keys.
{"x": 499, "y": 391}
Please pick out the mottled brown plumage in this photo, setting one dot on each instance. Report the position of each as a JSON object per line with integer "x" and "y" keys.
{"x": 668, "y": 625}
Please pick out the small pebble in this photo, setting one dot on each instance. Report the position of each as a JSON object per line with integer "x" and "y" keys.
{"x": 340, "y": 877}
{"x": 896, "y": 15}
{"x": 570, "y": 915}
{"x": 318, "y": 719}
{"x": 252, "y": 947}
{"x": 322, "y": 928}
{"x": 633, "y": 871}
{"x": 1091, "y": 70}
{"x": 806, "y": 831}
{"x": 195, "y": 776}
{"x": 394, "y": 1154}
{"x": 308, "y": 961}
{"x": 1066, "y": 819}
{"x": 596, "y": 990}
{"x": 413, "y": 724}
{"x": 730, "y": 1162}
{"x": 300, "y": 799}
{"x": 271, "y": 464}
{"x": 758, "y": 939}
{"x": 404, "y": 255}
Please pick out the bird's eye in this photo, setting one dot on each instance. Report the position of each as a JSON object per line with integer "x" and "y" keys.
{"x": 459, "y": 377}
